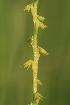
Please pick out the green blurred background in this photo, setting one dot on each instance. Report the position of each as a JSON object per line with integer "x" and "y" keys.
{"x": 54, "y": 70}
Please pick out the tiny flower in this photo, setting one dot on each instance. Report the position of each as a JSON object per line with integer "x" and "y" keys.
{"x": 40, "y": 18}
{"x": 38, "y": 82}
{"x": 42, "y": 51}
{"x": 27, "y": 8}
{"x": 39, "y": 96}
{"x": 28, "y": 64}
{"x": 41, "y": 25}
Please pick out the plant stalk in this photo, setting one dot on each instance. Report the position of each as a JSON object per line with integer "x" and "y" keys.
{"x": 36, "y": 50}
{"x": 35, "y": 69}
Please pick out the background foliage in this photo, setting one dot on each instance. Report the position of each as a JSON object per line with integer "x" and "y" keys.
{"x": 54, "y": 70}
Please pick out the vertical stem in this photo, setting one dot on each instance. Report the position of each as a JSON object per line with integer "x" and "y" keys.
{"x": 36, "y": 50}
{"x": 35, "y": 69}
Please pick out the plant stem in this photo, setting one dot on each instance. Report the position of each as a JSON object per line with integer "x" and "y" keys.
{"x": 35, "y": 69}
{"x": 36, "y": 50}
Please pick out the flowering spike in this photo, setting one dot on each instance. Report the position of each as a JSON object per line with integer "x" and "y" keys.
{"x": 36, "y": 50}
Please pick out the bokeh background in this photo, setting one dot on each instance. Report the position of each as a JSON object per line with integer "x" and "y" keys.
{"x": 54, "y": 70}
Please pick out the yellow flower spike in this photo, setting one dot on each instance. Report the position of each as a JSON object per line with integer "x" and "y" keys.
{"x": 36, "y": 50}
